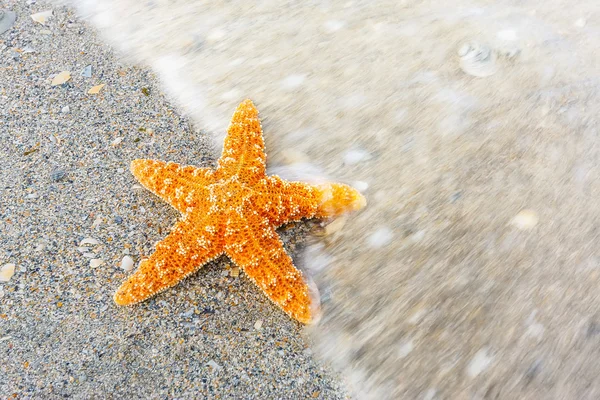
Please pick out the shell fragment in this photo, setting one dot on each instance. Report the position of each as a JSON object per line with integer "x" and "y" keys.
{"x": 477, "y": 59}
{"x": 61, "y": 78}
{"x": 96, "y": 262}
{"x": 89, "y": 241}
{"x": 41, "y": 17}
{"x": 6, "y": 272}
{"x": 7, "y": 20}
{"x": 127, "y": 263}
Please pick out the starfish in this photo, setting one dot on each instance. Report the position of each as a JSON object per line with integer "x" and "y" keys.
{"x": 233, "y": 210}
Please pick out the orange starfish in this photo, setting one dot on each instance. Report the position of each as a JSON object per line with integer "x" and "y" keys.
{"x": 233, "y": 210}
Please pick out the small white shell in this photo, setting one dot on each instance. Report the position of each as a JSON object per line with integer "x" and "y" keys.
{"x": 355, "y": 156}
{"x": 525, "y": 220}
{"x": 127, "y": 263}
{"x": 480, "y": 361}
{"x": 361, "y": 186}
{"x": 477, "y": 59}
{"x": 381, "y": 237}
{"x": 96, "y": 262}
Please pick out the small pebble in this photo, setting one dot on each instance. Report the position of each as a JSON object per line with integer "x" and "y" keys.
{"x": 355, "y": 156}
{"x": 381, "y": 237}
{"x": 96, "y": 262}
{"x": 127, "y": 263}
{"x": 479, "y": 363}
{"x": 417, "y": 236}
{"x": 361, "y": 186}
{"x": 429, "y": 394}
{"x": 525, "y": 220}
{"x": 57, "y": 175}
{"x": 87, "y": 72}
{"x": 65, "y": 109}
{"x": 258, "y": 325}
{"x": 215, "y": 367}
{"x": 118, "y": 220}
{"x": 416, "y": 317}
{"x": 405, "y": 349}
{"x": 293, "y": 81}
{"x": 536, "y": 330}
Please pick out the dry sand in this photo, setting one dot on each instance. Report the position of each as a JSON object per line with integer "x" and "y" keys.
{"x": 474, "y": 271}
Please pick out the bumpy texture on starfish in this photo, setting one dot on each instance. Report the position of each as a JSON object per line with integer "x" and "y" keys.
{"x": 233, "y": 210}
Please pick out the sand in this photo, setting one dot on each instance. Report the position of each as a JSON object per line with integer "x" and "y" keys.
{"x": 474, "y": 271}
{"x": 64, "y": 178}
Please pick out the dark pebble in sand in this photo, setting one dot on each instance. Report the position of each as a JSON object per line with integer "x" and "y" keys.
{"x": 57, "y": 175}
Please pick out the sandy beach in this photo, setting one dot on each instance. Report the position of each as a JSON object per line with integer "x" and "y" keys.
{"x": 65, "y": 178}
{"x": 471, "y": 128}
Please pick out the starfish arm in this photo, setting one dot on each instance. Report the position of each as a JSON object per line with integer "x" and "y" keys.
{"x": 176, "y": 184}
{"x": 293, "y": 201}
{"x": 244, "y": 149}
{"x": 336, "y": 199}
{"x": 257, "y": 249}
{"x": 175, "y": 257}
